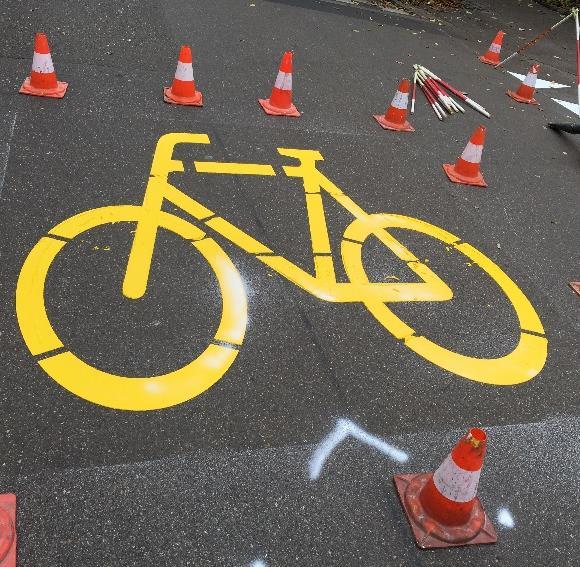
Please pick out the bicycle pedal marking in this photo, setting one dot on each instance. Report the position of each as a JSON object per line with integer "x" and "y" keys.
{"x": 524, "y": 362}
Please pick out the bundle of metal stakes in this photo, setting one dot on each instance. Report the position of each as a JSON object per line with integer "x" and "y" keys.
{"x": 437, "y": 92}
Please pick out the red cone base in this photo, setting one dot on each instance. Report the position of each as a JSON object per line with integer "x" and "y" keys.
{"x": 431, "y": 534}
{"x": 195, "y": 100}
{"x": 519, "y": 98}
{"x": 476, "y": 181}
{"x": 7, "y": 530}
{"x": 484, "y": 59}
{"x": 575, "y": 286}
{"x": 57, "y": 92}
{"x": 388, "y": 125}
{"x": 275, "y": 111}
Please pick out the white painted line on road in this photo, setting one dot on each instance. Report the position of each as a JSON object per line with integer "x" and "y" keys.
{"x": 5, "y": 154}
{"x": 575, "y": 108}
{"x": 541, "y": 83}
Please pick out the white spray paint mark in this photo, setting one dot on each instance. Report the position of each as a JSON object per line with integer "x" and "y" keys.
{"x": 575, "y": 108}
{"x": 258, "y": 563}
{"x": 505, "y": 518}
{"x": 342, "y": 430}
{"x": 6, "y": 154}
{"x": 541, "y": 83}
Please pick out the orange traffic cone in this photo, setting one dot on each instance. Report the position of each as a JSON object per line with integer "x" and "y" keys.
{"x": 466, "y": 169}
{"x": 492, "y": 55}
{"x": 525, "y": 93}
{"x": 442, "y": 507}
{"x": 8, "y": 530}
{"x": 182, "y": 90}
{"x": 280, "y": 101}
{"x": 395, "y": 117}
{"x": 42, "y": 80}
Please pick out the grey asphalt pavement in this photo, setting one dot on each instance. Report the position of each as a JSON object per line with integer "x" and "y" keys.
{"x": 222, "y": 479}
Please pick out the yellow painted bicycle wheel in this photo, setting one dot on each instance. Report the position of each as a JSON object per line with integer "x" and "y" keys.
{"x": 524, "y": 362}
{"x": 123, "y": 392}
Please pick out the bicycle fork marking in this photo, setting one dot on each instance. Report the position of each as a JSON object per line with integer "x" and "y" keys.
{"x": 146, "y": 393}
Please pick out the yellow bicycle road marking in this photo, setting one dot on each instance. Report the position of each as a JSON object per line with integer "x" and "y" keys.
{"x": 123, "y": 392}
{"x": 146, "y": 393}
{"x": 523, "y": 363}
{"x": 233, "y": 168}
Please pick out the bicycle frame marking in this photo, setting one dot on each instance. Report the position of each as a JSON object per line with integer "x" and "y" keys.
{"x": 323, "y": 284}
{"x": 146, "y": 393}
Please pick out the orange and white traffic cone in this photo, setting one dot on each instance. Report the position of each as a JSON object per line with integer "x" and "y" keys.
{"x": 280, "y": 101}
{"x": 182, "y": 90}
{"x": 492, "y": 55}
{"x": 42, "y": 80}
{"x": 525, "y": 93}
{"x": 442, "y": 507}
{"x": 8, "y": 530}
{"x": 395, "y": 117}
{"x": 466, "y": 169}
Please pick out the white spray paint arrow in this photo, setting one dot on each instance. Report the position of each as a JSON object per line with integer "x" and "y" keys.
{"x": 341, "y": 431}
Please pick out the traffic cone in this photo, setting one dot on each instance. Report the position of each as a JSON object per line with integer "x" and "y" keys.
{"x": 492, "y": 55}
{"x": 280, "y": 101}
{"x": 182, "y": 90}
{"x": 8, "y": 530}
{"x": 395, "y": 117}
{"x": 466, "y": 169}
{"x": 525, "y": 93}
{"x": 42, "y": 80}
{"x": 442, "y": 507}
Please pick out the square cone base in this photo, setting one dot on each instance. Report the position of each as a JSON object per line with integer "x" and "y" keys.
{"x": 8, "y": 530}
{"x": 478, "y": 181}
{"x": 168, "y": 96}
{"x": 275, "y": 111}
{"x": 487, "y": 61}
{"x": 575, "y": 286}
{"x": 58, "y": 92}
{"x": 518, "y": 98}
{"x": 385, "y": 124}
{"x": 424, "y": 539}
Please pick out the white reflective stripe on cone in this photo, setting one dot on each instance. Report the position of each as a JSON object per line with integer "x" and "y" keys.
{"x": 400, "y": 100}
{"x": 283, "y": 81}
{"x": 472, "y": 153}
{"x": 530, "y": 80}
{"x": 495, "y": 47}
{"x": 455, "y": 483}
{"x": 184, "y": 71}
{"x": 42, "y": 63}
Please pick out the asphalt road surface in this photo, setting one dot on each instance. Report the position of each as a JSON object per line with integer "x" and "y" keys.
{"x": 221, "y": 468}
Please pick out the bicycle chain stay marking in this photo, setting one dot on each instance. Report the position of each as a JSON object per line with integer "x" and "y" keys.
{"x": 146, "y": 393}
